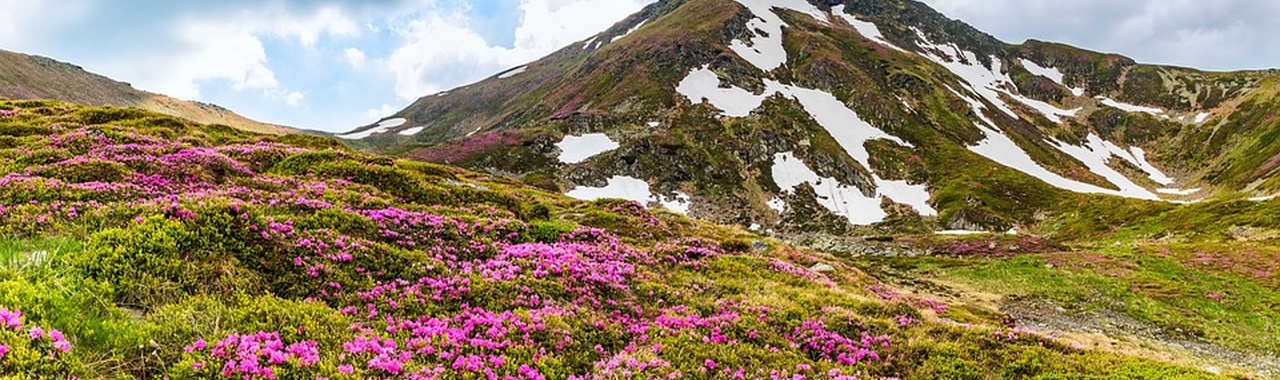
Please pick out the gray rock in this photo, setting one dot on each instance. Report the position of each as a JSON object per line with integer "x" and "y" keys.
{"x": 822, "y": 268}
{"x": 760, "y": 246}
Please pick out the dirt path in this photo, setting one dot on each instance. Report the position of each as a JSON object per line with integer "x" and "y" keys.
{"x": 1117, "y": 332}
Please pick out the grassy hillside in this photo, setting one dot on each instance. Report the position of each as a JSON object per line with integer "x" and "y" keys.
{"x": 139, "y": 245}
{"x": 33, "y": 77}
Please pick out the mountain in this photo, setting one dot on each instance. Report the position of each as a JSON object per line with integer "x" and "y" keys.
{"x": 25, "y": 76}
{"x": 799, "y": 116}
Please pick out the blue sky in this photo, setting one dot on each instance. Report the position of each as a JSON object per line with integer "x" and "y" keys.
{"x": 336, "y": 64}
{"x": 326, "y": 65}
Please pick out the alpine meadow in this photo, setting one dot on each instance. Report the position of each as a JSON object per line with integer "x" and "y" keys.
{"x": 707, "y": 189}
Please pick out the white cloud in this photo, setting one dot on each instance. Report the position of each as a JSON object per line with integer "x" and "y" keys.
{"x": 293, "y": 99}
{"x": 440, "y": 54}
{"x": 1217, "y": 35}
{"x": 20, "y": 20}
{"x": 354, "y": 57}
{"x": 328, "y": 20}
{"x": 227, "y": 47}
{"x": 543, "y": 28}
{"x": 375, "y": 114}
{"x": 236, "y": 56}
{"x": 442, "y": 50}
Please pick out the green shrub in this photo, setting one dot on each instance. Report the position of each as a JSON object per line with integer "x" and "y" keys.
{"x": 20, "y": 129}
{"x": 302, "y": 163}
{"x": 107, "y": 115}
{"x": 35, "y": 358}
{"x": 538, "y": 211}
{"x": 311, "y": 142}
{"x": 427, "y": 169}
{"x": 736, "y": 246}
{"x": 162, "y": 261}
{"x": 397, "y": 182}
{"x": 174, "y": 326}
{"x": 549, "y": 231}
{"x": 88, "y": 171}
{"x": 43, "y": 156}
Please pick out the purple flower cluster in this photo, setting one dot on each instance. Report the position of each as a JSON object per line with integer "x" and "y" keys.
{"x": 11, "y": 319}
{"x": 813, "y": 337}
{"x": 798, "y": 271}
{"x": 254, "y": 356}
{"x": 53, "y": 341}
{"x": 889, "y": 294}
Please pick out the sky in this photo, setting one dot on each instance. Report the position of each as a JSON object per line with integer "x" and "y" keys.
{"x": 1205, "y": 34}
{"x": 329, "y": 65}
{"x": 334, "y": 65}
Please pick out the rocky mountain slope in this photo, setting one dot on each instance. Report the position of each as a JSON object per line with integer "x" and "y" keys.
{"x": 25, "y": 76}
{"x": 794, "y": 115}
{"x": 137, "y": 245}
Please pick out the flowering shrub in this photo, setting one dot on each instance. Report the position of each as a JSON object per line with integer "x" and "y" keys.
{"x": 815, "y": 338}
{"x": 261, "y": 355}
{"x": 256, "y": 257}
{"x": 32, "y": 349}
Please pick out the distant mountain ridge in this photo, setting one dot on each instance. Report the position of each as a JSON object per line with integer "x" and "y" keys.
{"x": 799, "y": 115}
{"x": 25, "y": 76}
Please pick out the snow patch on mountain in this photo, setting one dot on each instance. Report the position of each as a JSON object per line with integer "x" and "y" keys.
{"x": 680, "y": 203}
{"x": 1003, "y": 150}
{"x": 411, "y": 131}
{"x": 1096, "y": 154}
{"x": 777, "y": 204}
{"x": 619, "y": 187}
{"x": 382, "y": 127}
{"x": 1052, "y": 73}
{"x": 1178, "y": 191}
{"x": 849, "y": 130}
{"x": 843, "y": 200}
{"x": 842, "y": 123}
{"x": 989, "y": 83}
{"x": 1129, "y": 107}
{"x": 866, "y": 29}
{"x": 1202, "y": 117}
{"x": 703, "y": 84}
{"x": 632, "y": 189}
{"x": 1139, "y": 158}
{"x": 513, "y": 72}
{"x": 1051, "y": 112}
{"x": 629, "y": 31}
{"x": 765, "y": 51}
{"x": 576, "y": 149}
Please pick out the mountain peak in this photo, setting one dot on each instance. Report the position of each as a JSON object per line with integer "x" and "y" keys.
{"x": 836, "y": 115}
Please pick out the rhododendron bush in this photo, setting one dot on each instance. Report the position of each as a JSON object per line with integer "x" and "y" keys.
{"x": 204, "y": 252}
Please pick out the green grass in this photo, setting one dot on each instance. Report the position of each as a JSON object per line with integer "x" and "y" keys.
{"x": 35, "y": 255}
{"x": 1165, "y": 292}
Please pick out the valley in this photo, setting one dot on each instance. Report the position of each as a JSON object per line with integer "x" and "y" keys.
{"x": 708, "y": 189}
